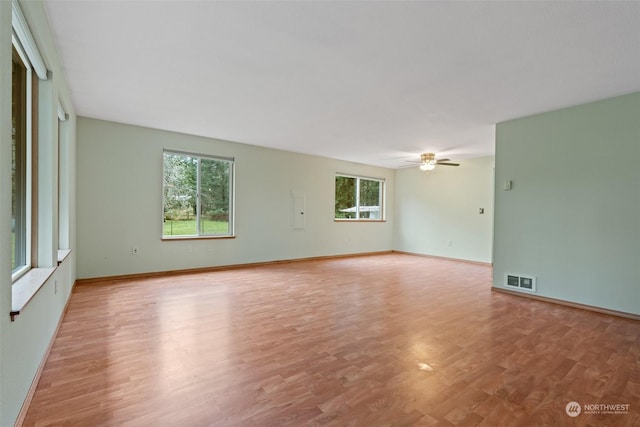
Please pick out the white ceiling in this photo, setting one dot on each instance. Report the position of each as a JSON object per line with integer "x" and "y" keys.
{"x": 370, "y": 82}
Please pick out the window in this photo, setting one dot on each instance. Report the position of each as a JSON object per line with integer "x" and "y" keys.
{"x": 359, "y": 198}
{"x": 63, "y": 179}
{"x": 33, "y": 153}
{"x": 197, "y": 196}
{"x": 20, "y": 163}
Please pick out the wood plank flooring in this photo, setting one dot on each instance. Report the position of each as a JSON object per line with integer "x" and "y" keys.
{"x": 381, "y": 340}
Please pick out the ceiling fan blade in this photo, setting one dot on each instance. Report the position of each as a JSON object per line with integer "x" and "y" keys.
{"x": 413, "y": 161}
{"x": 442, "y": 160}
{"x": 448, "y": 164}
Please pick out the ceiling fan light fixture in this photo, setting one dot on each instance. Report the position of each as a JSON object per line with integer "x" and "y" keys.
{"x": 427, "y": 161}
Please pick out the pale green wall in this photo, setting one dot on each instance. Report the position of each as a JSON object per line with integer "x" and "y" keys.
{"x": 443, "y": 205}
{"x": 120, "y": 204}
{"x": 24, "y": 342}
{"x": 572, "y": 217}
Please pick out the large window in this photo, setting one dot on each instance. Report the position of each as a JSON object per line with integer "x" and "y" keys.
{"x": 197, "y": 196}
{"x": 20, "y": 163}
{"x": 359, "y": 198}
{"x": 33, "y": 156}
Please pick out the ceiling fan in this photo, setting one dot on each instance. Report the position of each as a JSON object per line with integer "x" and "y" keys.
{"x": 428, "y": 162}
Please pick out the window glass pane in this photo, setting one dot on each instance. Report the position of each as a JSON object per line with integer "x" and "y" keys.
{"x": 19, "y": 192}
{"x": 214, "y": 197}
{"x": 179, "y": 191}
{"x": 369, "y": 199}
{"x": 358, "y": 198}
{"x": 346, "y": 203}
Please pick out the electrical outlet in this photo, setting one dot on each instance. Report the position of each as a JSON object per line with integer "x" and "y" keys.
{"x": 134, "y": 251}
{"x": 190, "y": 249}
{"x": 449, "y": 242}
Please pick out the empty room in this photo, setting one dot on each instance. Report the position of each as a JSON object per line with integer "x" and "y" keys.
{"x": 340, "y": 213}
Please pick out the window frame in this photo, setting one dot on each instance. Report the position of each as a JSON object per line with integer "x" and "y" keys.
{"x": 63, "y": 178}
{"x": 26, "y": 190}
{"x": 231, "y": 196}
{"x": 381, "y": 198}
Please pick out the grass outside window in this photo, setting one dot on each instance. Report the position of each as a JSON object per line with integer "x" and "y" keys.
{"x": 188, "y": 227}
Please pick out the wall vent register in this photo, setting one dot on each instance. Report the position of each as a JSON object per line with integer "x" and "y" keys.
{"x": 520, "y": 282}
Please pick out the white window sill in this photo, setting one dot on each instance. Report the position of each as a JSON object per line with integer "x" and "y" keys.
{"x": 358, "y": 220}
{"x": 26, "y": 287}
{"x": 62, "y": 254}
{"x": 225, "y": 236}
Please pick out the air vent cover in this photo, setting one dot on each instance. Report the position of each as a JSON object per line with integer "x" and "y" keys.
{"x": 520, "y": 282}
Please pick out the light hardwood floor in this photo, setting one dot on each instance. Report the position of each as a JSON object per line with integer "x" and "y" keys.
{"x": 379, "y": 340}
